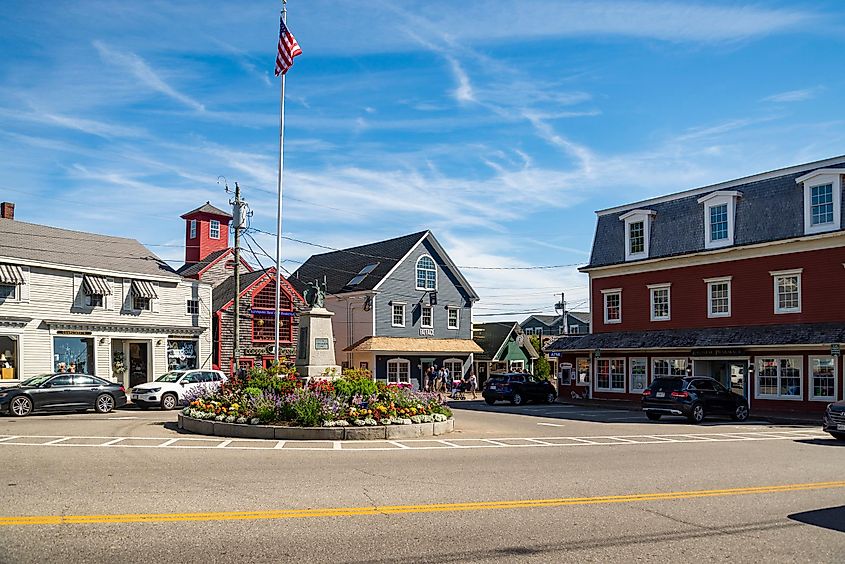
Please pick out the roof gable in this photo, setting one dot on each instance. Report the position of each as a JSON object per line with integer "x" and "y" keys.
{"x": 207, "y": 209}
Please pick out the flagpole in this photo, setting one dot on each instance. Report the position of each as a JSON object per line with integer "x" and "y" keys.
{"x": 279, "y": 209}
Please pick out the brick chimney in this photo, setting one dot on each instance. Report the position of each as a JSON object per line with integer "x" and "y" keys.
{"x": 7, "y": 210}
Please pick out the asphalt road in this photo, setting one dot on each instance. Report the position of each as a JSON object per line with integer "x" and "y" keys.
{"x": 532, "y": 484}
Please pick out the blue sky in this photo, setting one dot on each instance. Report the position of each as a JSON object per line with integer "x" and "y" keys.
{"x": 499, "y": 126}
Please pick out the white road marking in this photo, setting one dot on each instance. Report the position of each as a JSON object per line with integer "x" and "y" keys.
{"x": 202, "y": 442}
{"x": 551, "y": 424}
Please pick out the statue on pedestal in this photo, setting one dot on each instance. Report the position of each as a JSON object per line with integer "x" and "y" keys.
{"x": 315, "y": 295}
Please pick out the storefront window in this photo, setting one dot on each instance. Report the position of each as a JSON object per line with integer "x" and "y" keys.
{"x": 583, "y": 367}
{"x": 779, "y": 378}
{"x": 610, "y": 375}
{"x": 8, "y": 357}
{"x": 73, "y": 354}
{"x": 639, "y": 378}
{"x": 182, "y": 354}
{"x": 823, "y": 377}
{"x": 665, "y": 367}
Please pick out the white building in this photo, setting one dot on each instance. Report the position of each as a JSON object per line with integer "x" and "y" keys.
{"x": 95, "y": 304}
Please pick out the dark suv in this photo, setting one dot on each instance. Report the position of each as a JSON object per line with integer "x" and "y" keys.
{"x": 693, "y": 397}
{"x": 834, "y": 420}
{"x": 517, "y": 388}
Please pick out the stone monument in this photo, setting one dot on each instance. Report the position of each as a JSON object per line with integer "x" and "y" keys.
{"x": 315, "y": 355}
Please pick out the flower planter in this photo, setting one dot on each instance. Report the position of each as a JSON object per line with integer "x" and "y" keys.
{"x": 351, "y": 433}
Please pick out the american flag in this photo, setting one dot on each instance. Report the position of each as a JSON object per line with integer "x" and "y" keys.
{"x": 288, "y": 49}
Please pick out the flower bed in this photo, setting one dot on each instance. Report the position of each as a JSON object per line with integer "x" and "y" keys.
{"x": 277, "y": 397}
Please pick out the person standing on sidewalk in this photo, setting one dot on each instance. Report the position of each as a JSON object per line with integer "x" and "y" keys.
{"x": 473, "y": 382}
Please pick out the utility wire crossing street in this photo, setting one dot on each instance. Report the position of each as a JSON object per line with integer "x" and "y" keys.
{"x": 400, "y": 445}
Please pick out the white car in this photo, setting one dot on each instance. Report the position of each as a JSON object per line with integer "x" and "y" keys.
{"x": 168, "y": 391}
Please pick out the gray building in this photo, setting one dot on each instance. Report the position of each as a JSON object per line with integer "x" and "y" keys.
{"x": 400, "y": 306}
{"x": 577, "y": 323}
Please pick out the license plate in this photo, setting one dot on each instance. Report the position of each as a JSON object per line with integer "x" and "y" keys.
{"x": 660, "y": 395}
{"x": 840, "y": 427}
{"x": 135, "y": 396}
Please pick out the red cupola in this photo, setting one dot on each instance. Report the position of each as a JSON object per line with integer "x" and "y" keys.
{"x": 206, "y": 231}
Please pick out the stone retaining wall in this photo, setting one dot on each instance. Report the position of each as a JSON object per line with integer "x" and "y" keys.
{"x": 382, "y": 432}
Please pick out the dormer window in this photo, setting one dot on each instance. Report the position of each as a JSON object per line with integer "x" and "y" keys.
{"x": 719, "y": 218}
{"x": 822, "y": 200}
{"x": 637, "y": 233}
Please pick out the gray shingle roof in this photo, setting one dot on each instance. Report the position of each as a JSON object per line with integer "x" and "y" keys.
{"x": 791, "y": 334}
{"x": 52, "y": 245}
{"x": 209, "y": 209}
{"x": 225, "y": 291}
{"x": 490, "y": 336}
{"x": 190, "y": 270}
{"x": 770, "y": 209}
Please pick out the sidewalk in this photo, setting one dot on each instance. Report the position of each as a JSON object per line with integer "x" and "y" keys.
{"x": 774, "y": 417}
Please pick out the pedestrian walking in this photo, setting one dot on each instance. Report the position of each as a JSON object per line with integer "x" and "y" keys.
{"x": 473, "y": 382}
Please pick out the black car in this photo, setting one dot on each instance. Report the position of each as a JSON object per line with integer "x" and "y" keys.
{"x": 62, "y": 392}
{"x": 517, "y": 388}
{"x": 834, "y": 420}
{"x": 693, "y": 397}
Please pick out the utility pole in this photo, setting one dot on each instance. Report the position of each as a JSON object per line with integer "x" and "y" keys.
{"x": 238, "y": 221}
{"x": 563, "y": 319}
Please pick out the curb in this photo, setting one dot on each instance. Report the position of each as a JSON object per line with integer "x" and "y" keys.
{"x": 383, "y": 432}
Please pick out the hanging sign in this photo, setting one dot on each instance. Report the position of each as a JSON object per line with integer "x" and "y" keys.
{"x": 835, "y": 350}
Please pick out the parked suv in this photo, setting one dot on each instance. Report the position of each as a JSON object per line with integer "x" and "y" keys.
{"x": 517, "y": 388}
{"x": 834, "y": 420}
{"x": 168, "y": 391}
{"x": 695, "y": 398}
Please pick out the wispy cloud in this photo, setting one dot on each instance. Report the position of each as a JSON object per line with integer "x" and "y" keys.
{"x": 463, "y": 93}
{"x": 794, "y": 95}
{"x": 143, "y": 72}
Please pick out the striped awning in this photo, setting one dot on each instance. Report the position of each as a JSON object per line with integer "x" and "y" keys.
{"x": 144, "y": 289}
{"x": 96, "y": 286}
{"x": 11, "y": 275}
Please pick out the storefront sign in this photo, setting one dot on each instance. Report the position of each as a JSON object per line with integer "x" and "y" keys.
{"x": 719, "y": 352}
{"x": 835, "y": 350}
{"x": 554, "y": 354}
{"x": 66, "y": 332}
{"x": 321, "y": 343}
{"x": 427, "y": 332}
{"x": 271, "y": 312}
{"x": 261, "y": 351}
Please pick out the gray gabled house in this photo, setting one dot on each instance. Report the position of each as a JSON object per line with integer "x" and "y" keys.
{"x": 400, "y": 306}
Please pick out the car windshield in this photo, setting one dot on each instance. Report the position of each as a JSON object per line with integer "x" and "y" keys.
{"x": 170, "y": 377}
{"x": 36, "y": 380}
{"x": 667, "y": 384}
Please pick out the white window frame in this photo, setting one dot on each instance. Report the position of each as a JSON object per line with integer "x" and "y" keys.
{"x": 516, "y": 365}
{"x": 631, "y": 362}
{"x": 452, "y": 362}
{"x": 670, "y": 360}
{"x": 405, "y": 364}
{"x": 211, "y": 228}
{"x": 430, "y": 324}
{"x": 395, "y": 305}
{"x": 417, "y": 275}
{"x": 810, "y": 377}
{"x": 776, "y": 277}
{"x": 457, "y": 312}
{"x": 636, "y": 216}
{"x": 193, "y": 224}
{"x": 652, "y": 289}
{"x": 714, "y": 199}
{"x": 605, "y": 294}
{"x": 610, "y": 375}
{"x": 710, "y": 282}
{"x": 809, "y": 181}
{"x": 800, "y": 362}
{"x": 578, "y": 362}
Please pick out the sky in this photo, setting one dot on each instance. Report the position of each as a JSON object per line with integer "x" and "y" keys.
{"x": 500, "y": 126}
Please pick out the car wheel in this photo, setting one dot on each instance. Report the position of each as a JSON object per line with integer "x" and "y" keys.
{"x": 741, "y": 413}
{"x": 551, "y": 397}
{"x": 652, "y": 416}
{"x": 21, "y": 406}
{"x": 697, "y": 414}
{"x": 516, "y": 399}
{"x": 490, "y": 401}
{"x": 169, "y": 401}
{"x": 104, "y": 403}
{"x": 838, "y": 436}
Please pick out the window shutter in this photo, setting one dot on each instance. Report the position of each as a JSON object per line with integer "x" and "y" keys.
{"x": 110, "y": 299}
{"x": 127, "y": 294}
{"x": 154, "y": 304}
{"x": 24, "y": 288}
{"x": 77, "y": 290}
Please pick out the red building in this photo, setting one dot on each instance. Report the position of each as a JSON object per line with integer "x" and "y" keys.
{"x": 740, "y": 281}
{"x": 209, "y": 258}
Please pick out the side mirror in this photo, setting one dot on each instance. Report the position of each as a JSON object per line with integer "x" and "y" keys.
{"x": 183, "y": 383}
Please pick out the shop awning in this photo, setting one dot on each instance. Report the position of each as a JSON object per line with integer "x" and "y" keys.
{"x": 11, "y": 275}
{"x": 144, "y": 289}
{"x": 414, "y": 345}
{"x": 96, "y": 286}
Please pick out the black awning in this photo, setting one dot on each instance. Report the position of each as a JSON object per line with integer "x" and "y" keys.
{"x": 11, "y": 275}
{"x": 96, "y": 286}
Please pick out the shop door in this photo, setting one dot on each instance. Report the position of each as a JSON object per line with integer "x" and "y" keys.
{"x": 482, "y": 374}
{"x": 737, "y": 380}
{"x": 138, "y": 374}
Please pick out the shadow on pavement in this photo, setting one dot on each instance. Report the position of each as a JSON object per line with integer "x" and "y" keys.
{"x": 822, "y": 442}
{"x": 832, "y": 518}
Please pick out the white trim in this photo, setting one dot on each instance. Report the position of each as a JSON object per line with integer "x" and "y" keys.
{"x": 457, "y": 311}
{"x": 430, "y": 316}
{"x": 709, "y": 283}
{"x": 727, "y": 184}
{"x": 652, "y": 289}
{"x": 611, "y": 291}
{"x": 175, "y": 279}
{"x": 417, "y": 277}
{"x": 719, "y": 279}
{"x": 778, "y": 396}
{"x": 192, "y": 229}
{"x": 393, "y": 307}
{"x": 210, "y": 229}
{"x": 631, "y": 361}
{"x": 776, "y": 276}
{"x": 725, "y": 198}
{"x": 611, "y": 389}
{"x": 398, "y": 361}
{"x": 816, "y": 179}
{"x": 637, "y": 216}
{"x": 606, "y": 294}
{"x": 811, "y": 389}
{"x": 818, "y": 172}
{"x": 454, "y": 361}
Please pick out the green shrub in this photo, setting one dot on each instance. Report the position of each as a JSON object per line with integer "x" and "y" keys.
{"x": 307, "y": 409}
{"x": 355, "y": 381}
{"x": 254, "y": 392}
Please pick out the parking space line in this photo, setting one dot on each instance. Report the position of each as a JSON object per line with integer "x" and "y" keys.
{"x": 336, "y": 445}
{"x": 552, "y": 424}
{"x": 168, "y": 442}
{"x": 397, "y": 443}
{"x": 113, "y": 441}
{"x": 279, "y": 445}
{"x": 497, "y": 443}
{"x": 538, "y": 441}
{"x": 447, "y": 443}
{"x": 9, "y": 438}
{"x": 57, "y": 441}
{"x": 224, "y": 444}
{"x": 622, "y": 439}
{"x": 585, "y": 441}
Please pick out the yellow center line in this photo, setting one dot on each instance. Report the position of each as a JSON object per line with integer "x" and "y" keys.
{"x": 11, "y": 521}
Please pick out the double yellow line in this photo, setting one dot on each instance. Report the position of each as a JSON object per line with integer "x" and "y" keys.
{"x": 402, "y": 509}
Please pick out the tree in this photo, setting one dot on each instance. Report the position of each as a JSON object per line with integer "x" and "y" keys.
{"x": 542, "y": 368}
